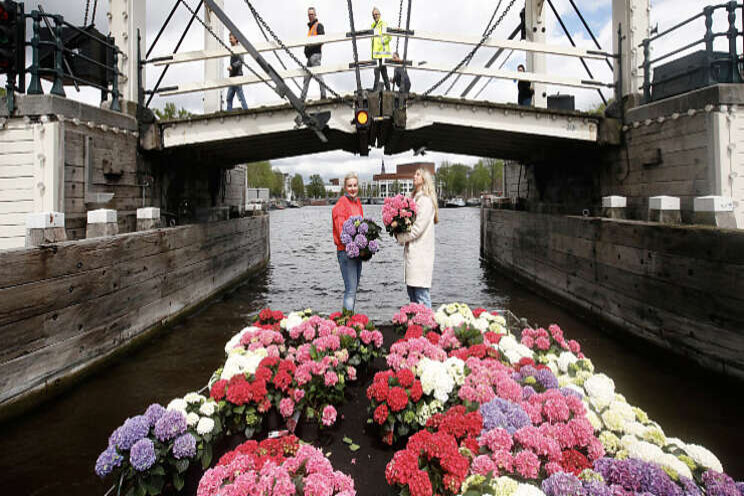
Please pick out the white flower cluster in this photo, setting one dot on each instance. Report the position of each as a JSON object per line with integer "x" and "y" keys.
{"x": 235, "y": 340}
{"x": 425, "y": 410}
{"x": 295, "y": 318}
{"x": 241, "y": 361}
{"x": 501, "y": 486}
{"x": 456, "y": 314}
{"x": 440, "y": 378}
{"x": 513, "y": 350}
{"x": 198, "y": 410}
{"x": 651, "y": 453}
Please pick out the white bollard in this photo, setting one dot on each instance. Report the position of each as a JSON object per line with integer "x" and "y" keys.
{"x": 148, "y": 218}
{"x": 613, "y": 207}
{"x": 664, "y": 209}
{"x": 45, "y": 227}
{"x": 101, "y": 222}
{"x": 715, "y": 211}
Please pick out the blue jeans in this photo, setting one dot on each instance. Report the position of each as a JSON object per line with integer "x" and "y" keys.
{"x": 351, "y": 271}
{"x": 526, "y": 102}
{"x": 313, "y": 61}
{"x": 231, "y": 91}
{"x": 419, "y": 295}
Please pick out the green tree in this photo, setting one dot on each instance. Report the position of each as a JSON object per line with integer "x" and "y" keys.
{"x": 316, "y": 187}
{"x": 260, "y": 175}
{"x": 170, "y": 112}
{"x": 277, "y": 189}
{"x": 479, "y": 179}
{"x": 443, "y": 178}
{"x": 496, "y": 171}
{"x": 395, "y": 187}
{"x": 458, "y": 179}
{"x": 298, "y": 186}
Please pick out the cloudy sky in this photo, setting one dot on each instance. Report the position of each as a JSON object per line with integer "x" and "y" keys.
{"x": 466, "y": 17}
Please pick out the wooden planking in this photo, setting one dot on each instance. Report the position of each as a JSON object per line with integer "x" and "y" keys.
{"x": 13, "y": 207}
{"x": 14, "y": 170}
{"x": 99, "y": 320}
{"x": 11, "y": 243}
{"x": 7, "y": 184}
{"x": 13, "y": 195}
{"x": 17, "y": 147}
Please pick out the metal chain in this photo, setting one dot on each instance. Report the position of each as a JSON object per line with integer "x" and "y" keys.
{"x": 488, "y": 26}
{"x": 93, "y": 17}
{"x": 87, "y": 6}
{"x": 472, "y": 52}
{"x": 291, "y": 55}
{"x": 400, "y": 20}
{"x": 196, "y": 16}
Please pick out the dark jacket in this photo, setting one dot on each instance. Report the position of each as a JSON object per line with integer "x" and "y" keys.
{"x": 236, "y": 65}
{"x": 311, "y": 49}
{"x": 401, "y": 80}
{"x": 525, "y": 90}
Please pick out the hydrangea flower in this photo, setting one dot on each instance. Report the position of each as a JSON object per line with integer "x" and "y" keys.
{"x": 142, "y": 455}
{"x": 107, "y": 461}
{"x": 170, "y": 425}
{"x": 133, "y": 430}
{"x": 184, "y": 446}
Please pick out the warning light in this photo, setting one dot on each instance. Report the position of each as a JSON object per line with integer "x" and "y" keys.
{"x": 362, "y": 117}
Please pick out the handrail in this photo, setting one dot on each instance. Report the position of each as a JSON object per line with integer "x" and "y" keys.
{"x": 733, "y": 34}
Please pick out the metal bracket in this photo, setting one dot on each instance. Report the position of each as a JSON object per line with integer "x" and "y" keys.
{"x": 90, "y": 196}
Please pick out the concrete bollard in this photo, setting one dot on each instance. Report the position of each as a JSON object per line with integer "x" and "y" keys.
{"x": 613, "y": 207}
{"x": 45, "y": 227}
{"x": 101, "y": 222}
{"x": 148, "y": 218}
{"x": 664, "y": 209}
{"x": 715, "y": 211}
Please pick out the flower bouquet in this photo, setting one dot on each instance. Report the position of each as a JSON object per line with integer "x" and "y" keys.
{"x": 360, "y": 236}
{"x": 399, "y": 214}
{"x": 394, "y": 399}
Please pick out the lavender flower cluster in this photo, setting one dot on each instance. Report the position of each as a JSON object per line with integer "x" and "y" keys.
{"x": 505, "y": 414}
{"x": 359, "y": 235}
{"x": 539, "y": 379}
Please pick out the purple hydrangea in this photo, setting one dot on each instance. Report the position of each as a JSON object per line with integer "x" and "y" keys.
{"x": 142, "y": 455}
{"x": 562, "y": 484}
{"x": 596, "y": 488}
{"x": 719, "y": 484}
{"x": 113, "y": 439}
{"x": 133, "y": 429}
{"x": 637, "y": 476}
{"x": 505, "y": 414}
{"x": 689, "y": 488}
{"x": 107, "y": 461}
{"x": 565, "y": 391}
{"x": 740, "y": 487}
{"x": 349, "y": 227}
{"x": 546, "y": 379}
{"x": 170, "y": 425}
{"x": 528, "y": 392}
{"x": 374, "y": 246}
{"x": 360, "y": 240}
{"x": 363, "y": 228}
{"x": 346, "y": 239}
{"x": 153, "y": 413}
{"x": 352, "y": 250}
{"x": 184, "y": 446}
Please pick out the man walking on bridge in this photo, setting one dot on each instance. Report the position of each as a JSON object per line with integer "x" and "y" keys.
{"x": 235, "y": 69}
{"x": 313, "y": 52}
{"x": 380, "y": 48}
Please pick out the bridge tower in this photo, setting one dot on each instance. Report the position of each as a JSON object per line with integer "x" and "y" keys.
{"x": 535, "y": 31}
{"x": 125, "y": 18}
{"x": 214, "y": 69}
{"x": 633, "y": 17}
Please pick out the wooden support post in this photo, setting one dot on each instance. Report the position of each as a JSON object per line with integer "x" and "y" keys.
{"x": 101, "y": 222}
{"x": 664, "y": 209}
{"x": 536, "y": 31}
{"x": 125, "y": 18}
{"x": 45, "y": 227}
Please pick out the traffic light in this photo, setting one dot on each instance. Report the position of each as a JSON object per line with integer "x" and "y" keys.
{"x": 361, "y": 118}
{"x": 10, "y": 43}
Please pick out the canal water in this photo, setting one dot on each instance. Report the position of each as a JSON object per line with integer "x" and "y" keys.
{"x": 52, "y": 449}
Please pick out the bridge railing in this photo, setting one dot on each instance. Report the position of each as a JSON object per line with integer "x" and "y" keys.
{"x": 726, "y": 67}
{"x": 300, "y": 72}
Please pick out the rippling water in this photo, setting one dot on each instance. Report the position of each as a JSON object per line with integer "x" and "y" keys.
{"x": 52, "y": 450}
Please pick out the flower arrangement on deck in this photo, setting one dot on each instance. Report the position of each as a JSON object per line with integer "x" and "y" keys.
{"x": 399, "y": 214}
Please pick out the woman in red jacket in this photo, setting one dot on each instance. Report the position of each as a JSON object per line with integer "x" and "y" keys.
{"x": 351, "y": 268}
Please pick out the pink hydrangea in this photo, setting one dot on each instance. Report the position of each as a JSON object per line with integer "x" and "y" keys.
{"x": 286, "y": 407}
{"x": 527, "y": 464}
{"x": 482, "y": 465}
{"x": 330, "y": 378}
{"x": 329, "y": 415}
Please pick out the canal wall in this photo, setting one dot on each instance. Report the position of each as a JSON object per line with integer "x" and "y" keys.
{"x": 678, "y": 287}
{"x": 69, "y": 306}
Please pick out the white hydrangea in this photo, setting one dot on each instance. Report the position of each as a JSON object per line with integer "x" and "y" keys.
{"x": 505, "y": 486}
{"x": 636, "y": 429}
{"x": 435, "y": 378}
{"x": 565, "y": 359}
{"x": 425, "y": 410}
{"x": 241, "y": 362}
{"x": 513, "y": 350}
{"x": 292, "y": 320}
{"x": 594, "y": 420}
{"x": 454, "y": 315}
{"x": 204, "y": 426}
{"x": 194, "y": 398}
{"x": 207, "y": 408}
{"x": 235, "y": 340}
{"x": 456, "y": 369}
{"x": 703, "y": 457}
{"x": 651, "y": 453}
{"x": 528, "y": 490}
{"x": 192, "y": 419}
{"x": 178, "y": 404}
{"x": 601, "y": 390}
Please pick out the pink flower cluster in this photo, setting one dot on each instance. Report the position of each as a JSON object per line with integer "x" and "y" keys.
{"x": 261, "y": 338}
{"x": 542, "y": 340}
{"x": 489, "y": 378}
{"x": 399, "y": 213}
{"x": 406, "y": 354}
{"x": 414, "y": 313}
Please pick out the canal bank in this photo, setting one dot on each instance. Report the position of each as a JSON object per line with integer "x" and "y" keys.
{"x": 70, "y": 431}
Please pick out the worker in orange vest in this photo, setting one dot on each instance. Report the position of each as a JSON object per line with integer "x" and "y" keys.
{"x": 313, "y": 52}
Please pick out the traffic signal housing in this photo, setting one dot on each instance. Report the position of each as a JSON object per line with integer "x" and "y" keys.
{"x": 12, "y": 49}
{"x": 361, "y": 118}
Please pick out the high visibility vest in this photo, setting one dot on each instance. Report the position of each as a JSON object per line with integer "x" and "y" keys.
{"x": 313, "y": 30}
{"x": 381, "y": 41}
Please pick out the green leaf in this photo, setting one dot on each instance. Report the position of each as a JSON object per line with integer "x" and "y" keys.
{"x": 347, "y": 440}
{"x": 157, "y": 470}
{"x": 206, "y": 457}
{"x": 178, "y": 482}
{"x": 140, "y": 489}
{"x": 354, "y": 447}
{"x": 182, "y": 465}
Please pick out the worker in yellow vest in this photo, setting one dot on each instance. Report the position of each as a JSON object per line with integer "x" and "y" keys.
{"x": 380, "y": 48}
{"x": 313, "y": 52}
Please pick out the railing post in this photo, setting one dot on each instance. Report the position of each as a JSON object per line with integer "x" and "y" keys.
{"x": 619, "y": 82}
{"x": 58, "y": 87}
{"x": 646, "y": 70}
{"x": 115, "y": 105}
{"x": 732, "y": 35}
{"x": 34, "y": 86}
{"x": 709, "y": 38}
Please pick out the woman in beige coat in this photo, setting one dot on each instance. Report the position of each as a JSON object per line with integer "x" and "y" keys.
{"x": 419, "y": 242}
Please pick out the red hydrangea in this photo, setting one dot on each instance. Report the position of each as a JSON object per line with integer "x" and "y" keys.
{"x": 397, "y": 398}
{"x": 405, "y": 377}
{"x": 381, "y": 414}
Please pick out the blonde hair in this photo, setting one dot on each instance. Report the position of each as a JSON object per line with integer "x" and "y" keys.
{"x": 350, "y": 175}
{"x": 428, "y": 189}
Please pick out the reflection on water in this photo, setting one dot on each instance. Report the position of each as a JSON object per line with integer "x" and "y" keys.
{"x": 52, "y": 450}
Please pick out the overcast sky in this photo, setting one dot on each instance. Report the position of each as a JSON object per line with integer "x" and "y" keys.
{"x": 466, "y": 17}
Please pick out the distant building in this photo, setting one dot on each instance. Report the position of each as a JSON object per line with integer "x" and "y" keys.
{"x": 401, "y": 181}
{"x": 333, "y": 188}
